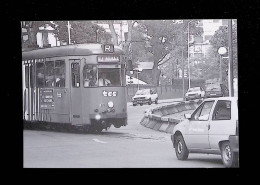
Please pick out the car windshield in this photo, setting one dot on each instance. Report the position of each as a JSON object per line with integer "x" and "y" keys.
{"x": 194, "y": 89}
{"x": 213, "y": 87}
{"x": 143, "y": 92}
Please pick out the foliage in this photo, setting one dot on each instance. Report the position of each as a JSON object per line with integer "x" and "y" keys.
{"x": 163, "y": 37}
{"x": 82, "y": 32}
{"x": 32, "y": 28}
{"x": 220, "y": 39}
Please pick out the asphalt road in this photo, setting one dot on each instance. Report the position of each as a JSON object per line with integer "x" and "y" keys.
{"x": 133, "y": 146}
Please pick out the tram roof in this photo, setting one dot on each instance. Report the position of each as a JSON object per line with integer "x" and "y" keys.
{"x": 68, "y": 50}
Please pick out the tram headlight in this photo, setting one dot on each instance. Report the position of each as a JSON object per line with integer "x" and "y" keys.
{"x": 98, "y": 117}
{"x": 110, "y": 104}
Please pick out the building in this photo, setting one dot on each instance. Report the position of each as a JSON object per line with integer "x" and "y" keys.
{"x": 200, "y": 46}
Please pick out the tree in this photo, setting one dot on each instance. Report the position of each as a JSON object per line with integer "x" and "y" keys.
{"x": 32, "y": 28}
{"x": 220, "y": 39}
{"x": 82, "y": 32}
{"x": 165, "y": 37}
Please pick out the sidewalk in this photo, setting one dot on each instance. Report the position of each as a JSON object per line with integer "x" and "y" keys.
{"x": 166, "y": 100}
{"x": 170, "y": 100}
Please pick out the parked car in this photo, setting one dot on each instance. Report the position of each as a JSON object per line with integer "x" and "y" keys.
{"x": 216, "y": 90}
{"x": 145, "y": 96}
{"x": 194, "y": 93}
{"x": 212, "y": 128}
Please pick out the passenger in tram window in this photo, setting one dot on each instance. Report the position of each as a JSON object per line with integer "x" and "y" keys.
{"x": 40, "y": 79}
{"x": 103, "y": 80}
{"x": 49, "y": 81}
{"x": 89, "y": 74}
{"x": 60, "y": 81}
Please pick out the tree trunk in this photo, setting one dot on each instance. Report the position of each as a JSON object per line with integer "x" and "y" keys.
{"x": 32, "y": 37}
{"x": 128, "y": 41}
{"x": 156, "y": 74}
{"x": 113, "y": 32}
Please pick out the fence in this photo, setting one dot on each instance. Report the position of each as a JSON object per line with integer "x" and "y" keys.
{"x": 165, "y": 91}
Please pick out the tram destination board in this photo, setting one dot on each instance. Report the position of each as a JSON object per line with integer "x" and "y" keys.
{"x": 46, "y": 96}
{"x": 108, "y": 58}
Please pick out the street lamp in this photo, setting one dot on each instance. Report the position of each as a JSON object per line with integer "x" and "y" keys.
{"x": 189, "y": 50}
{"x": 138, "y": 70}
{"x": 69, "y": 31}
{"x": 221, "y": 51}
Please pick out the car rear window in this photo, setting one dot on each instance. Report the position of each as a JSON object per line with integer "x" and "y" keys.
{"x": 213, "y": 87}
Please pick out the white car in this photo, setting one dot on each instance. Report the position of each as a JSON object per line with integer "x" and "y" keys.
{"x": 194, "y": 93}
{"x": 145, "y": 96}
{"x": 212, "y": 128}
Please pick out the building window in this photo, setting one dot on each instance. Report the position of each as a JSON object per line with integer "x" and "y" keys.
{"x": 216, "y": 20}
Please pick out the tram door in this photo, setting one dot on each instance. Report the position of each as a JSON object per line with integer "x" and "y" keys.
{"x": 76, "y": 107}
{"x": 29, "y": 98}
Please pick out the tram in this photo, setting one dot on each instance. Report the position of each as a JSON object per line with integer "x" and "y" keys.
{"x": 63, "y": 86}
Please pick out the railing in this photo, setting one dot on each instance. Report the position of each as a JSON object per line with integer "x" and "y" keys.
{"x": 157, "y": 119}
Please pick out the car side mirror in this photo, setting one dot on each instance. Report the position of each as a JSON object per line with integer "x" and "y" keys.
{"x": 187, "y": 116}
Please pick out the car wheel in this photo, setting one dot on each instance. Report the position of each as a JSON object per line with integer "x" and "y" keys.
{"x": 134, "y": 104}
{"x": 181, "y": 150}
{"x": 150, "y": 102}
{"x": 156, "y": 101}
{"x": 229, "y": 158}
{"x": 141, "y": 104}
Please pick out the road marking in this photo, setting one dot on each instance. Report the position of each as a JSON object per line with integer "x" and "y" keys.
{"x": 99, "y": 141}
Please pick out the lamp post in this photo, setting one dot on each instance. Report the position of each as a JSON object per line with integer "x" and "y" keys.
{"x": 221, "y": 51}
{"x": 138, "y": 71}
{"x": 69, "y": 31}
{"x": 189, "y": 51}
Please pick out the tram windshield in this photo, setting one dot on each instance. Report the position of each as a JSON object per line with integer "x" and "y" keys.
{"x": 103, "y": 75}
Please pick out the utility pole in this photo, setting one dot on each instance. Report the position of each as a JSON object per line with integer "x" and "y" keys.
{"x": 230, "y": 53}
{"x": 183, "y": 93}
{"x": 69, "y": 31}
{"x": 220, "y": 68}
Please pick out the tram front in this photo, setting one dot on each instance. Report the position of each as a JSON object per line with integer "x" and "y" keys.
{"x": 104, "y": 101}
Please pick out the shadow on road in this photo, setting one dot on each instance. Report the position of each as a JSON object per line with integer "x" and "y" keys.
{"x": 207, "y": 160}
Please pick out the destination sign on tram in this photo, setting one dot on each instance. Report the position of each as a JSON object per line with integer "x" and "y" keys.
{"x": 108, "y": 58}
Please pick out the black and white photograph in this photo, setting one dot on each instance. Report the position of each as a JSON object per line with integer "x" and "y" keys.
{"x": 144, "y": 93}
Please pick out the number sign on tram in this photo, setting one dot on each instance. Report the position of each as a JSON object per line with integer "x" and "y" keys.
{"x": 108, "y": 48}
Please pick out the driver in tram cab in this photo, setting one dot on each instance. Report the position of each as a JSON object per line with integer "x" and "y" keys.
{"x": 103, "y": 81}
{"x": 90, "y": 77}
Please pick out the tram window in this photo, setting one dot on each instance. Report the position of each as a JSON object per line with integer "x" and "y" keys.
{"x": 89, "y": 75}
{"x": 59, "y": 71}
{"x": 109, "y": 77}
{"x": 123, "y": 76}
{"x": 75, "y": 74}
{"x": 26, "y": 76}
{"x": 32, "y": 76}
{"x": 49, "y": 73}
{"x": 40, "y": 82}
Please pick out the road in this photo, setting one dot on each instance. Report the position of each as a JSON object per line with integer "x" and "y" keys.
{"x": 133, "y": 146}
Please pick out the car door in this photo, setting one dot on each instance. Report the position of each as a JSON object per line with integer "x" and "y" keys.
{"x": 222, "y": 124}
{"x": 197, "y": 129}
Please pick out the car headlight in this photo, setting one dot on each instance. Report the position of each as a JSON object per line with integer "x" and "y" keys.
{"x": 110, "y": 104}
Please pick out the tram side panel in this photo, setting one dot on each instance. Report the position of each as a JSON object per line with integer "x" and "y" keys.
{"x": 59, "y": 112}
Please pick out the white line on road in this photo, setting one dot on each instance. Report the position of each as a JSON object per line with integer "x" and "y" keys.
{"x": 99, "y": 141}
